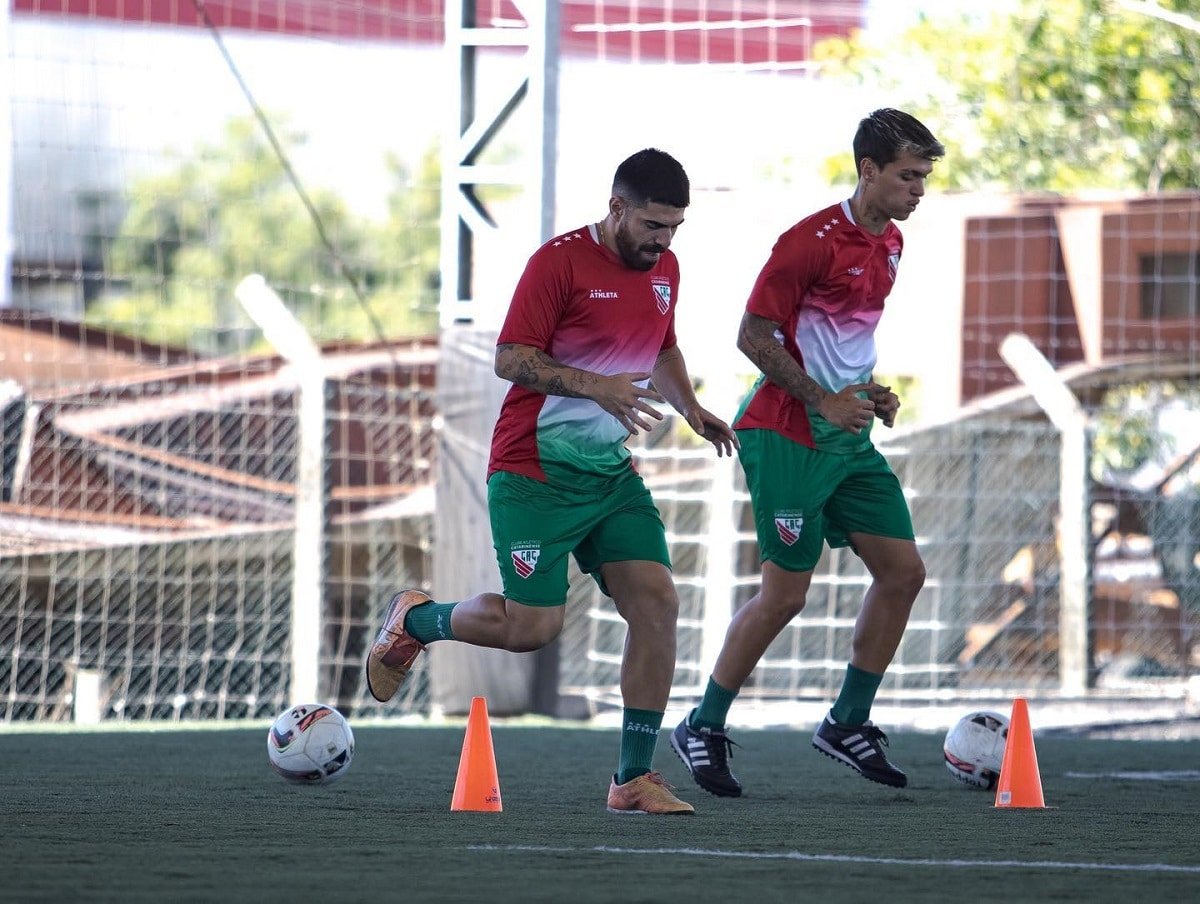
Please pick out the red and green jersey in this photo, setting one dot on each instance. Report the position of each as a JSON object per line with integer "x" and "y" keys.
{"x": 824, "y": 284}
{"x": 579, "y": 303}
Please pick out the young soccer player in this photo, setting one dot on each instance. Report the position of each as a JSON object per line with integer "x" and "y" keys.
{"x": 812, "y": 471}
{"x": 592, "y": 319}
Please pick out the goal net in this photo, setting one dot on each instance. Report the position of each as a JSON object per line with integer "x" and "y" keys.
{"x": 197, "y": 520}
{"x": 154, "y": 436}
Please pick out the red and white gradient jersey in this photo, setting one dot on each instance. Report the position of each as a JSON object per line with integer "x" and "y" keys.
{"x": 824, "y": 284}
{"x": 579, "y": 303}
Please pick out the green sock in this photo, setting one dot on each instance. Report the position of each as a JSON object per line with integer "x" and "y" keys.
{"x": 853, "y": 705}
{"x": 639, "y": 736}
{"x": 430, "y": 621}
{"x": 714, "y": 707}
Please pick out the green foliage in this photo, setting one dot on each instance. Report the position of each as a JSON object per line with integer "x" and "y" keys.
{"x": 192, "y": 233}
{"x": 1132, "y": 426}
{"x": 1043, "y": 96}
{"x": 1124, "y": 441}
{"x": 908, "y": 390}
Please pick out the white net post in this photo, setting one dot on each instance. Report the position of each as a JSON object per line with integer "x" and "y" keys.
{"x": 720, "y": 573}
{"x": 288, "y": 337}
{"x": 1065, "y": 413}
{"x": 6, "y": 173}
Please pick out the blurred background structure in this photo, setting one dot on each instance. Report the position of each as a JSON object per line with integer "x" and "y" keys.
{"x": 176, "y": 545}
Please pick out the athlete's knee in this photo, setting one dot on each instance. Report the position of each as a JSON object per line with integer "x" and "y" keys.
{"x": 783, "y": 593}
{"x": 916, "y": 576}
{"x": 896, "y": 569}
{"x": 782, "y": 604}
{"x": 656, "y": 610}
{"x": 664, "y": 608}
{"x": 908, "y": 577}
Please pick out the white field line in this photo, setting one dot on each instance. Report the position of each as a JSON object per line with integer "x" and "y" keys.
{"x": 844, "y": 858}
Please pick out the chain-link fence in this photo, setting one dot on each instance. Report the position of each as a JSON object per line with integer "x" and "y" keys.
{"x": 197, "y": 624}
{"x": 984, "y": 495}
{"x": 147, "y": 559}
{"x": 149, "y": 451}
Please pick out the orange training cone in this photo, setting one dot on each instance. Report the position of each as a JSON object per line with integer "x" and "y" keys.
{"x": 1020, "y": 782}
{"x": 477, "y": 787}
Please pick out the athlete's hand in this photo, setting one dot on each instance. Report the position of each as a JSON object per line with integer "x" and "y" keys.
{"x": 887, "y": 403}
{"x": 846, "y": 410}
{"x": 621, "y": 397}
{"x": 713, "y": 429}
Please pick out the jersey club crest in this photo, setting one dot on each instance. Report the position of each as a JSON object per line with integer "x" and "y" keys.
{"x": 662, "y": 295}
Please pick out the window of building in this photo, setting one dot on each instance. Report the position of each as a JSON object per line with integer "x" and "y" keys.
{"x": 1170, "y": 285}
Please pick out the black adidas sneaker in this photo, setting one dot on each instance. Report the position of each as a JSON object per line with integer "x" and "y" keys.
{"x": 706, "y": 753}
{"x": 861, "y": 748}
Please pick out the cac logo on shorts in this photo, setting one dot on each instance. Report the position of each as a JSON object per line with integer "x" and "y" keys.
{"x": 788, "y": 524}
{"x": 525, "y": 558}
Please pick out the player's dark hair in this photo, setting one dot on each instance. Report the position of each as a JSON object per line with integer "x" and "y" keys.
{"x": 886, "y": 134}
{"x": 652, "y": 177}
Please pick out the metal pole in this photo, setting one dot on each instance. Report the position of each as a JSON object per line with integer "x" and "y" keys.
{"x": 1074, "y": 550}
{"x": 1074, "y": 571}
{"x": 289, "y": 338}
{"x": 308, "y": 550}
{"x": 723, "y": 529}
{"x": 545, "y": 89}
{"x": 6, "y": 163}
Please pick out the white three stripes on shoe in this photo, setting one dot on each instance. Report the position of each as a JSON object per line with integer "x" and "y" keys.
{"x": 859, "y": 746}
{"x": 697, "y": 752}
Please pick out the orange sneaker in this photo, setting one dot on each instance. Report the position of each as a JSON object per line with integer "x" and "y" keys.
{"x": 395, "y": 649}
{"x": 647, "y": 793}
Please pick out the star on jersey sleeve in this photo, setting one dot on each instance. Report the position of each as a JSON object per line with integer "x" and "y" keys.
{"x": 798, "y": 261}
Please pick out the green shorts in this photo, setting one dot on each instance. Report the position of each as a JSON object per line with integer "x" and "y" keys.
{"x": 535, "y": 525}
{"x": 803, "y": 497}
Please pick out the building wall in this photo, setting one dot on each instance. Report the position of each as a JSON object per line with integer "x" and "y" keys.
{"x": 1018, "y": 278}
{"x": 1136, "y": 288}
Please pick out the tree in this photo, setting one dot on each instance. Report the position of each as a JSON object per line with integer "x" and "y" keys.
{"x": 1043, "y": 96}
{"x": 229, "y": 210}
{"x": 1141, "y": 427}
{"x": 403, "y": 265}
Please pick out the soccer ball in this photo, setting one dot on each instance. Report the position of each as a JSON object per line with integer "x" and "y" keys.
{"x": 974, "y": 748}
{"x": 310, "y": 744}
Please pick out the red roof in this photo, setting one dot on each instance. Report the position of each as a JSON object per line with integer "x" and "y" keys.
{"x": 710, "y": 31}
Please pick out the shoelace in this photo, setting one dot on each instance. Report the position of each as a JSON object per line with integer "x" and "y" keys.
{"x": 875, "y": 733}
{"x": 720, "y": 747}
{"x": 657, "y": 778}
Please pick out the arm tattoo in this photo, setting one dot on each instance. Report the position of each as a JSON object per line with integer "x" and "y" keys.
{"x": 524, "y": 375}
{"x": 670, "y": 378}
{"x": 556, "y": 386}
{"x": 757, "y": 341}
{"x": 665, "y": 356}
{"x": 533, "y": 368}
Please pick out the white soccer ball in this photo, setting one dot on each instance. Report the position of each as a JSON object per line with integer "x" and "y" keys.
{"x": 310, "y": 744}
{"x": 974, "y": 748}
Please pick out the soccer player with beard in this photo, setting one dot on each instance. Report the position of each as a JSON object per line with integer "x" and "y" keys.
{"x": 591, "y": 321}
{"x": 813, "y": 473}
